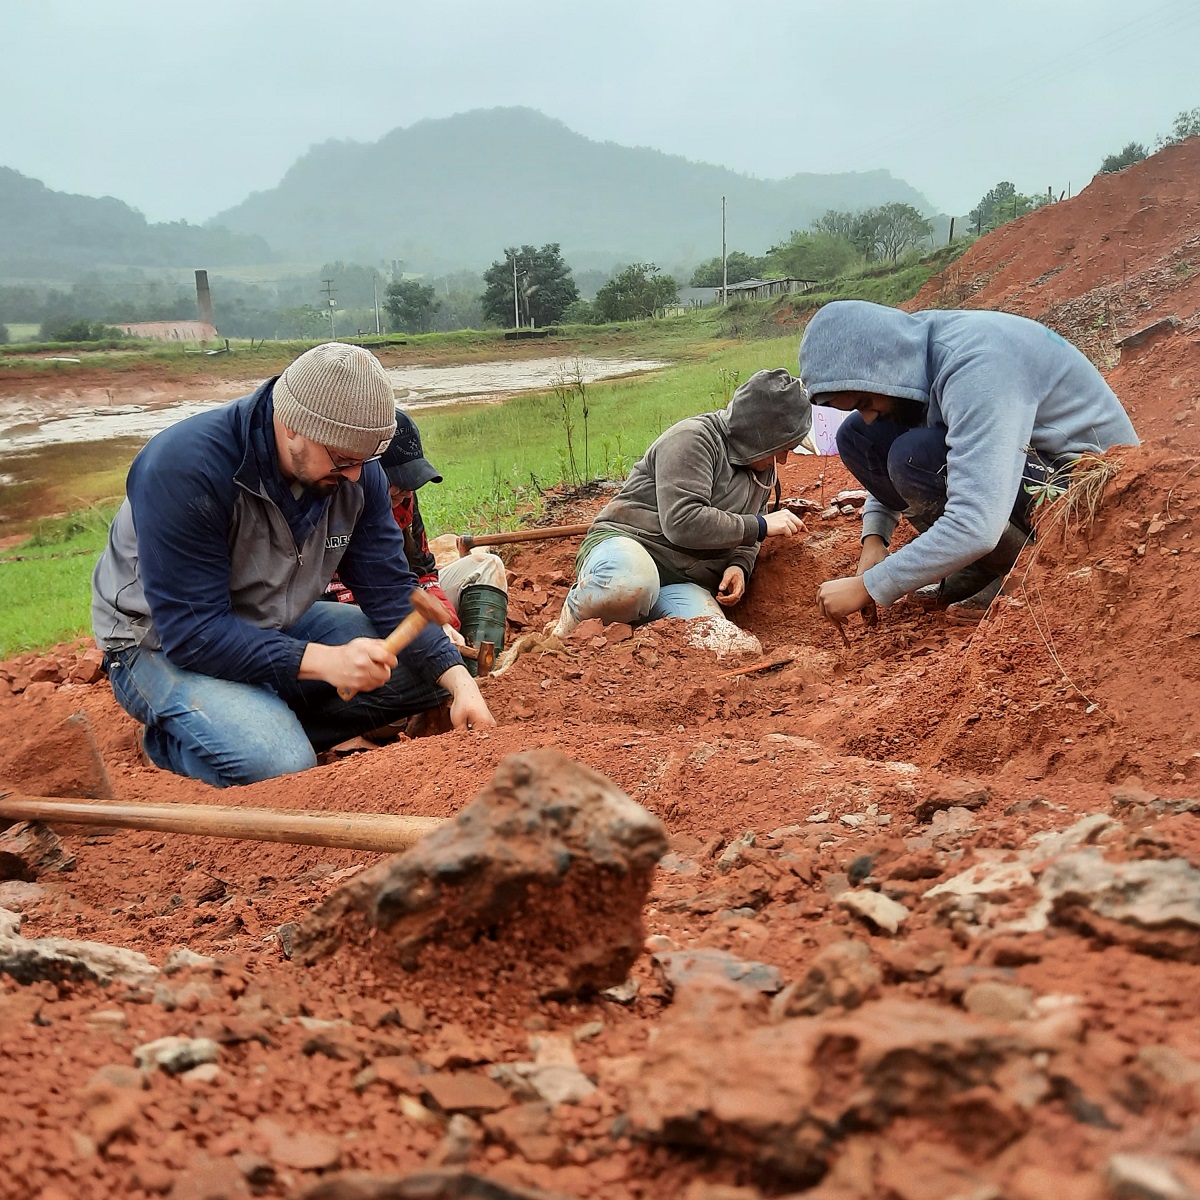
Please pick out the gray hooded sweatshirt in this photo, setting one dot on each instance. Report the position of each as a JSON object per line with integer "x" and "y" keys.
{"x": 997, "y": 383}
{"x": 692, "y": 500}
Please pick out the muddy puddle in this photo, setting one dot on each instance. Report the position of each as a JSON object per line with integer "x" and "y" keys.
{"x": 32, "y": 420}
{"x": 51, "y": 437}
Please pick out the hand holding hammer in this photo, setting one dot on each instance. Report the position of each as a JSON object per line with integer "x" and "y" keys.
{"x": 425, "y": 610}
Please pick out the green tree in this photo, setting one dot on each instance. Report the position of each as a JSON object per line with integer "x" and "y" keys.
{"x": 1133, "y": 153}
{"x": 999, "y": 204}
{"x": 3, "y": 335}
{"x": 636, "y": 293}
{"x": 891, "y": 229}
{"x": 836, "y": 223}
{"x": 76, "y": 329}
{"x": 1187, "y": 124}
{"x": 411, "y": 306}
{"x": 544, "y": 286}
{"x": 739, "y": 265}
{"x": 580, "y": 312}
{"x": 303, "y": 321}
{"x": 812, "y": 255}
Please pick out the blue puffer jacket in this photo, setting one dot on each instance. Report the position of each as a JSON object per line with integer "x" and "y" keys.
{"x": 211, "y": 556}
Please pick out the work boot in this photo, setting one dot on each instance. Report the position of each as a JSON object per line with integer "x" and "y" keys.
{"x": 956, "y": 588}
{"x": 482, "y": 612}
{"x": 973, "y": 588}
{"x": 974, "y": 608}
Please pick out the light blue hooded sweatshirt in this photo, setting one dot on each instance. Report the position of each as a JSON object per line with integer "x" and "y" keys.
{"x": 997, "y": 383}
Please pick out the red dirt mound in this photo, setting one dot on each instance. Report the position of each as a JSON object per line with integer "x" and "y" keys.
{"x": 1085, "y": 667}
{"x": 1107, "y": 262}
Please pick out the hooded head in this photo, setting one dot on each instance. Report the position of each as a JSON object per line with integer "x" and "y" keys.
{"x": 854, "y": 346}
{"x": 768, "y": 413}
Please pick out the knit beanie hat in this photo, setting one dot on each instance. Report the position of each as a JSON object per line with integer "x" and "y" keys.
{"x": 339, "y": 396}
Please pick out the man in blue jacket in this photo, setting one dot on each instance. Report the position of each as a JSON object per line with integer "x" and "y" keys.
{"x": 204, "y": 601}
{"x": 959, "y": 421}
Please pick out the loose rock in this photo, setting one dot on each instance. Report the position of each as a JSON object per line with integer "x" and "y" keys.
{"x": 29, "y": 960}
{"x": 446, "y": 1184}
{"x": 680, "y": 968}
{"x": 841, "y": 974}
{"x": 549, "y": 844}
{"x": 176, "y": 1054}
{"x": 875, "y": 907}
{"x": 1152, "y": 907}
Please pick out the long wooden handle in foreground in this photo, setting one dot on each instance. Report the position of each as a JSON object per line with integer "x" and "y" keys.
{"x": 383, "y": 833}
{"x": 466, "y": 541}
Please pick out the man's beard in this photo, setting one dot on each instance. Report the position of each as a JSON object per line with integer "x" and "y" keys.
{"x": 323, "y": 487}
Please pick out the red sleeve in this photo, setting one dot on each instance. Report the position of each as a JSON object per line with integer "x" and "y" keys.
{"x": 431, "y": 585}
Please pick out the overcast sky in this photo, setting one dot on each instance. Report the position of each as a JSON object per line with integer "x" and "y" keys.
{"x": 183, "y": 109}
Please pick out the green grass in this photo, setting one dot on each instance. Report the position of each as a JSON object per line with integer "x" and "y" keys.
{"x": 495, "y": 458}
{"x": 45, "y": 588}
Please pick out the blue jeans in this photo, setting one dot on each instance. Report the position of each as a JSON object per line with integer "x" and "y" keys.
{"x": 905, "y": 468}
{"x": 618, "y": 581}
{"x": 227, "y": 733}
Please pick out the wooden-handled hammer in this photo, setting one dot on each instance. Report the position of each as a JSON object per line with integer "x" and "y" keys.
{"x": 466, "y": 541}
{"x": 425, "y": 610}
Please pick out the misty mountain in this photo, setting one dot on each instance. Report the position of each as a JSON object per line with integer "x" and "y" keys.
{"x": 452, "y": 193}
{"x": 46, "y": 234}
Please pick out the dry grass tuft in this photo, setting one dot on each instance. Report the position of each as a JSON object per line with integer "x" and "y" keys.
{"x": 1074, "y": 510}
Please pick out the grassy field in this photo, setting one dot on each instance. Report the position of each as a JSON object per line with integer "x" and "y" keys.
{"x": 496, "y": 458}
{"x": 45, "y": 582}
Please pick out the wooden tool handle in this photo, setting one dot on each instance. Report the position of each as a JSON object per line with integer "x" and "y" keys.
{"x": 425, "y": 610}
{"x": 467, "y": 541}
{"x": 383, "y": 833}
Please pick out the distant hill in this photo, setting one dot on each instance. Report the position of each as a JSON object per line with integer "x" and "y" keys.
{"x": 451, "y": 193}
{"x": 46, "y": 234}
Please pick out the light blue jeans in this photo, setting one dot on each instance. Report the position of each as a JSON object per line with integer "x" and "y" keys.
{"x": 227, "y": 733}
{"x": 618, "y": 581}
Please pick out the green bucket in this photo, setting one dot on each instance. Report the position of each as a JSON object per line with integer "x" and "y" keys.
{"x": 482, "y": 612}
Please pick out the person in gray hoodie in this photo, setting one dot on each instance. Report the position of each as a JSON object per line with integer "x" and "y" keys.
{"x": 681, "y": 537}
{"x": 960, "y": 420}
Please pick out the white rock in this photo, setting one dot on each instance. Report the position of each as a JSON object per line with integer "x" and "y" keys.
{"x": 877, "y": 908}
{"x": 182, "y": 958}
{"x": 1144, "y": 1177}
{"x": 176, "y": 1054}
{"x": 720, "y": 636}
{"x": 58, "y": 958}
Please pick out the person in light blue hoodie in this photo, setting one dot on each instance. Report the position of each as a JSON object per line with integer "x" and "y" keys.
{"x": 959, "y": 420}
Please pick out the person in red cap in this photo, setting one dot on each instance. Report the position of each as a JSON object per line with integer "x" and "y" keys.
{"x": 473, "y": 589}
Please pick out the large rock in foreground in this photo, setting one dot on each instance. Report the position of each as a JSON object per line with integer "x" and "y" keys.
{"x": 780, "y": 1096}
{"x": 551, "y": 859}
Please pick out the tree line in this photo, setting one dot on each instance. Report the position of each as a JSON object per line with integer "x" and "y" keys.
{"x": 528, "y": 286}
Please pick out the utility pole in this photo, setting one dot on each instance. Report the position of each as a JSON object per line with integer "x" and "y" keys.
{"x": 724, "y": 259}
{"x": 331, "y": 304}
{"x": 375, "y": 289}
{"x": 516, "y": 306}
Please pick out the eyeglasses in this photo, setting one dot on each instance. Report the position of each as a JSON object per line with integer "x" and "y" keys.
{"x": 340, "y": 468}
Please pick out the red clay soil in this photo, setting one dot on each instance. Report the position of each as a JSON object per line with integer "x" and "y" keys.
{"x": 838, "y": 760}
